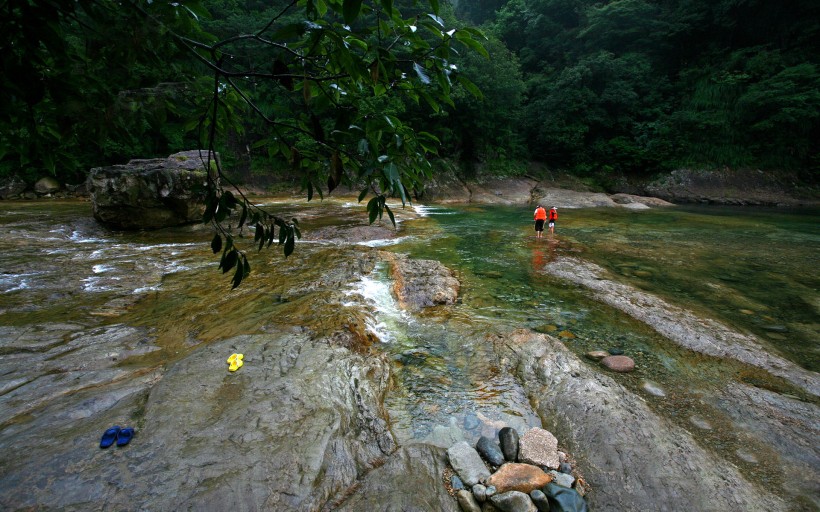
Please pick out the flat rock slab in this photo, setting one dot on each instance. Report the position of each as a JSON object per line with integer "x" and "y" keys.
{"x": 297, "y": 425}
{"x": 422, "y": 283}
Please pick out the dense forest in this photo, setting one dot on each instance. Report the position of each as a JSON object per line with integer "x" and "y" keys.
{"x": 597, "y": 88}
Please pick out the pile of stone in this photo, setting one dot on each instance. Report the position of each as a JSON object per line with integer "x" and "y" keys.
{"x": 514, "y": 474}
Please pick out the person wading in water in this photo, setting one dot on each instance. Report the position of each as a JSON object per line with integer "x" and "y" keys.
{"x": 552, "y": 218}
{"x": 540, "y": 217}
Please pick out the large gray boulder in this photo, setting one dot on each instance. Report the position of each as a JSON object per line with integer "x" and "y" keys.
{"x": 151, "y": 194}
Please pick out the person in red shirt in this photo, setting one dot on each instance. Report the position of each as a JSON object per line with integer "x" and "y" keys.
{"x": 552, "y": 218}
{"x": 540, "y": 217}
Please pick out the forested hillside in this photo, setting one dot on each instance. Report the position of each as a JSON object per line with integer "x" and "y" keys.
{"x": 627, "y": 87}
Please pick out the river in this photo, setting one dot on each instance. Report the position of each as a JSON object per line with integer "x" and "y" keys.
{"x": 754, "y": 270}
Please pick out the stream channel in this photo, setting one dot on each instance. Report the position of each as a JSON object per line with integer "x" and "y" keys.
{"x": 754, "y": 270}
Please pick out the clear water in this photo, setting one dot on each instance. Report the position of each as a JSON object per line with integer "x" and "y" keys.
{"x": 753, "y": 269}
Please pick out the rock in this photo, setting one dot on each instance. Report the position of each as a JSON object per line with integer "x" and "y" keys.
{"x": 422, "y": 283}
{"x": 776, "y": 328}
{"x": 566, "y": 334}
{"x": 490, "y": 450}
{"x": 388, "y": 488}
{"x": 471, "y": 421}
{"x": 615, "y": 351}
{"x": 620, "y": 364}
{"x": 467, "y": 502}
{"x": 562, "y": 479}
{"x": 630, "y": 200}
{"x": 513, "y": 501}
{"x": 596, "y": 355}
{"x": 513, "y": 476}
{"x": 508, "y": 438}
{"x": 562, "y": 499}
{"x": 467, "y": 463}
{"x": 539, "y": 447}
{"x": 456, "y": 483}
{"x": 150, "y": 194}
{"x": 681, "y": 326}
{"x": 635, "y": 206}
{"x": 300, "y": 410}
{"x": 700, "y": 423}
{"x": 12, "y": 187}
{"x": 638, "y": 458}
{"x": 490, "y": 491}
{"x": 565, "y": 467}
{"x": 540, "y": 500}
{"x": 563, "y": 198}
{"x": 47, "y": 185}
{"x": 480, "y": 493}
{"x": 652, "y": 388}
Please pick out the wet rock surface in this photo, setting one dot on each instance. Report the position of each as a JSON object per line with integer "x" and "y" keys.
{"x": 150, "y": 194}
{"x": 422, "y": 283}
{"x": 298, "y": 411}
{"x": 632, "y": 458}
{"x": 409, "y": 480}
{"x": 683, "y": 327}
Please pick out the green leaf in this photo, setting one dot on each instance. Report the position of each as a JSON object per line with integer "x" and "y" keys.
{"x": 362, "y": 195}
{"x": 434, "y": 5}
{"x": 230, "y": 260}
{"x": 290, "y": 243}
{"x": 216, "y": 243}
{"x": 390, "y": 214}
{"x": 238, "y": 275}
{"x": 471, "y": 87}
{"x": 351, "y": 9}
{"x": 472, "y": 43}
{"x": 244, "y": 215}
{"x": 388, "y": 6}
{"x": 373, "y": 209}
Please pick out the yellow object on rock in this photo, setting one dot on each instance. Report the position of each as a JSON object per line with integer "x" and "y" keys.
{"x": 235, "y": 362}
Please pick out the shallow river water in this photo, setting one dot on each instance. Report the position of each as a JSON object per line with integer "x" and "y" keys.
{"x": 753, "y": 269}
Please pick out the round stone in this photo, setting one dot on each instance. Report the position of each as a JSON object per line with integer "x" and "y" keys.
{"x": 620, "y": 364}
{"x": 615, "y": 351}
{"x": 597, "y": 355}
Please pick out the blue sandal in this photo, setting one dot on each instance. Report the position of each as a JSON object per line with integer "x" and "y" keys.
{"x": 125, "y": 435}
{"x": 109, "y": 436}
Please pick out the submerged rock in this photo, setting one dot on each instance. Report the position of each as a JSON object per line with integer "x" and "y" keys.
{"x": 620, "y": 364}
{"x": 422, "y": 283}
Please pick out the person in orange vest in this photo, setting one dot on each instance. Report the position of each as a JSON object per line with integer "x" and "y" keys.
{"x": 552, "y": 218}
{"x": 540, "y": 217}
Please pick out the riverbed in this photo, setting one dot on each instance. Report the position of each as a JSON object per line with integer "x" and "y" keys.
{"x": 753, "y": 270}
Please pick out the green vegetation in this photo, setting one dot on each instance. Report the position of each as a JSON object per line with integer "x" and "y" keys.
{"x": 626, "y": 87}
